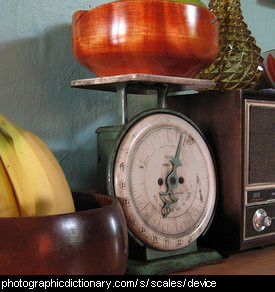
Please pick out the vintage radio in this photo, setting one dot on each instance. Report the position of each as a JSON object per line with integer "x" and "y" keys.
{"x": 240, "y": 128}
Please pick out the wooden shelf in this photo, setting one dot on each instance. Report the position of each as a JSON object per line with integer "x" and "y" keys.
{"x": 259, "y": 261}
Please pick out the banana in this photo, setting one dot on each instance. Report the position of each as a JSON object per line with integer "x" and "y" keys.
{"x": 63, "y": 196}
{"x": 19, "y": 180}
{"x": 8, "y": 206}
{"x": 40, "y": 186}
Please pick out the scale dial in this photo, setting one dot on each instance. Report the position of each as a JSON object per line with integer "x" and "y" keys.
{"x": 164, "y": 177}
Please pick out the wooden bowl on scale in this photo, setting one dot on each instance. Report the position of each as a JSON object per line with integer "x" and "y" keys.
{"x": 147, "y": 37}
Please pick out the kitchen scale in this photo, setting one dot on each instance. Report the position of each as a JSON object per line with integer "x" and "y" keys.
{"x": 159, "y": 165}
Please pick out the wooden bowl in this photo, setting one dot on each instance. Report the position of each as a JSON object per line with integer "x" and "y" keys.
{"x": 141, "y": 36}
{"x": 92, "y": 241}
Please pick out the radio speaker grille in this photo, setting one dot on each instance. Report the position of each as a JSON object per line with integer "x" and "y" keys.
{"x": 261, "y": 144}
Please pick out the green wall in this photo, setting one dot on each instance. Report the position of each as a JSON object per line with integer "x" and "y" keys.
{"x": 37, "y": 66}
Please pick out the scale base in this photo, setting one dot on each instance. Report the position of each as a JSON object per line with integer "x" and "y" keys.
{"x": 172, "y": 264}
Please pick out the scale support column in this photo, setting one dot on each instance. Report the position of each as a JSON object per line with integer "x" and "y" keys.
{"x": 122, "y": 108}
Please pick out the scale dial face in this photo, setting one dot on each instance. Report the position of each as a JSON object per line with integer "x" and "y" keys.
{"x": 164, "y": 177}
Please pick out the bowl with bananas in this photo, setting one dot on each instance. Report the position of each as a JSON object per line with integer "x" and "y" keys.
{"x": 45, "y": 228}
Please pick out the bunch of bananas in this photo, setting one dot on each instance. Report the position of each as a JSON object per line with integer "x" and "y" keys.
{"x": 32, "y": 182}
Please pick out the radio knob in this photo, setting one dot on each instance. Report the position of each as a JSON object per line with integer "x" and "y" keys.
{"x": 261, "y": 220}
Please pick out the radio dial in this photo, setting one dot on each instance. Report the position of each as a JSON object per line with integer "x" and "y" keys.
{"x": 261, "y": 220}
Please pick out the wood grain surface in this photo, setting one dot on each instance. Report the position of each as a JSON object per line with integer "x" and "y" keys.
{"x": 259, "y": 261}
{"x": 149, "y": 37}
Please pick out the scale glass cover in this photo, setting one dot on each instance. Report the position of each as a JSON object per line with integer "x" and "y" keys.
{"x": 163, "y": 174}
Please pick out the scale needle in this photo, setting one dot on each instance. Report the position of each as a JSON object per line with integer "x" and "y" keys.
{"x": 172, "y": 181}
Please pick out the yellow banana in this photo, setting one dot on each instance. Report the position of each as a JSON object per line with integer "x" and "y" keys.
{"x": 20, "y": 182}
{"x": 8, "y": 206}
{"x": 63, "y": 196}
{"x": 45, "y": 188}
